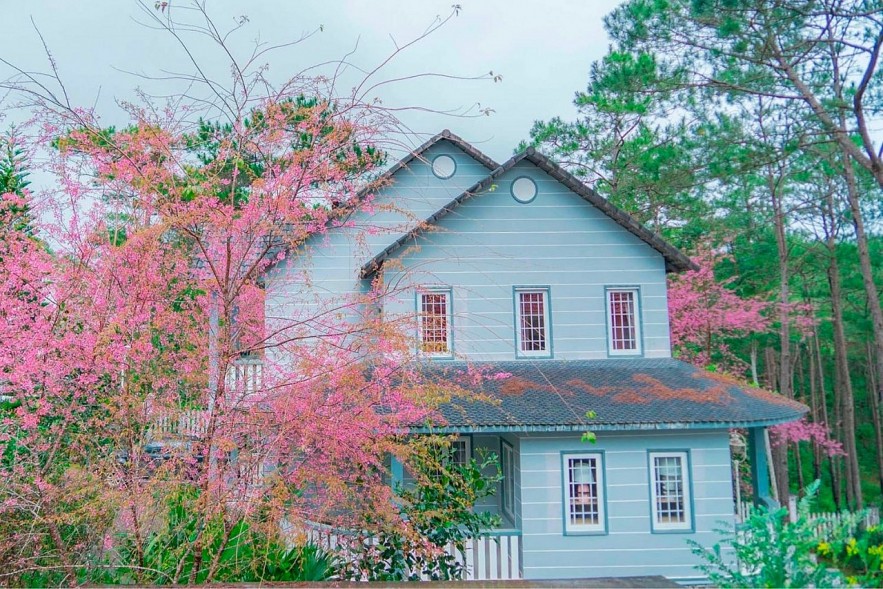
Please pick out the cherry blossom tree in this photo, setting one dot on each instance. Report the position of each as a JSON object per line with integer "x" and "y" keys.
{"x": 124, "y": 322}
{"x": 704, "y": 313}
{"x": 807, "y": 431}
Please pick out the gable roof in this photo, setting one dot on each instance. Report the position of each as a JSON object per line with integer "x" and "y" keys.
{"x": 623, "y": 394}
{"x": 675, "y": 260}
{"x": 445, "y": 135}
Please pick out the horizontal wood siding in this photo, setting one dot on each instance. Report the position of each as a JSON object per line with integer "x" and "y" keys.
{"x": 321, "y": 280}
{"x": 492, "y": 243}
{"x": 630, "y": 547}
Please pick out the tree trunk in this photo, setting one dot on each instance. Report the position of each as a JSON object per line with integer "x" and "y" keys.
{"x": 754, "y": 363}
{"x": 843, "y": 383}
{"x": 832, "y": 466}
{"x": 875, "y": 413}
{"x": 864, "y": 256}
{"x": 780, "y": 453}
{"x": 858, "y": 223}
{"x": 814, "y": 410}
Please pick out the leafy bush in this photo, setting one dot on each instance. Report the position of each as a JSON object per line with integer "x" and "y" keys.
{"x": 859, "y": 556}
{"x": 769, "y": 551}
{"x": 232, "y": 551}
{"x": 438, "y": 511}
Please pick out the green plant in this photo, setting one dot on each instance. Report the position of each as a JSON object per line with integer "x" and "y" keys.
{"x": 859, "y": 556}
{"x": 770, "y": 551}
{"x": 234, "y": 550}
{"x": 439, "y": 513}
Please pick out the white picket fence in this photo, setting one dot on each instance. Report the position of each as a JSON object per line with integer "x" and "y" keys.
{"x": 495, "y": 556}
{"x": 824, "y": 523}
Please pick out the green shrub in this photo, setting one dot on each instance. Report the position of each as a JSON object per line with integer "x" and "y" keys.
{"x": 769, "y": 551}
{"x": 231, "y": 551}
{"x": 439, "y": 512}
{"x": 859, "y": 556}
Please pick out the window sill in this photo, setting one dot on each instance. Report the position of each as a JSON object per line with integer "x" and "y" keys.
{"x": 586, "y": 532}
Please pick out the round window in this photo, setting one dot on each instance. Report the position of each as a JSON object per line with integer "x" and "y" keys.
{"x": 524, "y": 189}
{"x": 444, "y": 166}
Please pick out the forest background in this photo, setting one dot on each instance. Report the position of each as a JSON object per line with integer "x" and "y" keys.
{"x": 748, "y": 134}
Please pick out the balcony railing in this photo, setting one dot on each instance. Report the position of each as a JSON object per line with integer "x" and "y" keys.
{"x": 244, "y": 379}
{"x": 191, "y": 423}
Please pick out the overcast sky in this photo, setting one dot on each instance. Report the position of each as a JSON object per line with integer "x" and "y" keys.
{"x": 542, "y": 49}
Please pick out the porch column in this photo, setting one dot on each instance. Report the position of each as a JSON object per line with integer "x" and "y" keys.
{"x": 760, "y": 472}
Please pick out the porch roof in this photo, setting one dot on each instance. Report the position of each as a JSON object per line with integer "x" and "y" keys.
{"x": 621, "y": 394}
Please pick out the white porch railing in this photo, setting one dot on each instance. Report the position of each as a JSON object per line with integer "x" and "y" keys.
{"x": 496, "y": 556}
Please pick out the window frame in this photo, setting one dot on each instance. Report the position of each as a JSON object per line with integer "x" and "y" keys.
{"x": 571, "y": 529}
{"x": 448, "y": 293}
{"x": 467, "y": 440}
{"x": 546, "y": 293}
{"x": 636, "y": 298}
{"x": 688, "y": 525}
{"x": 507, "y": 483}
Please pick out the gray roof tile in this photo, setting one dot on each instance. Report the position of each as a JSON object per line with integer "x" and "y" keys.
{"x": 623, "y": 394}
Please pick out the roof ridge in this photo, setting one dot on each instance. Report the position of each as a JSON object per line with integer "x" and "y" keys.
{"x": 675, "y": 260}
{"x": 443, "y": 135}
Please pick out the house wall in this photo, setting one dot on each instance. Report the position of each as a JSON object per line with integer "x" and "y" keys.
{"x": 321, "y": 279}
{"x": 490, "y": 244}
{"x": 629, "y": 547}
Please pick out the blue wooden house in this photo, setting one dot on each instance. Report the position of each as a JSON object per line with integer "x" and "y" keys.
{"x": 521, "y": 269}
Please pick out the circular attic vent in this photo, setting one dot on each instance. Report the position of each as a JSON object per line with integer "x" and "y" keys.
{"x": 524, "y": 189}
{"x": 444, "y": 166}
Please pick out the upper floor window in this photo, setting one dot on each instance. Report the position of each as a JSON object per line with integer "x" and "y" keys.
{"x": 670, "y": 491}
{"x": 623, "y": 321}
{"x": 532, "y": 321}
{"x": 584, "y": 493}
{"x": 434, "y": 317}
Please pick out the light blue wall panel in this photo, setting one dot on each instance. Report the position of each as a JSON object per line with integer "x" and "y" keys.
{"x": 317, "y": 284}
{"x": 491, "y": 243}
{"x": 549, "y": 553}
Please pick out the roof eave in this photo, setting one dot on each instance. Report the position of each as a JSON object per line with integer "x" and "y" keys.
{"x": 595, "y": 427}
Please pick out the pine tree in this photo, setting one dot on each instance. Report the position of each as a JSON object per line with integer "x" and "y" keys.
{"x": 15, "y": 211}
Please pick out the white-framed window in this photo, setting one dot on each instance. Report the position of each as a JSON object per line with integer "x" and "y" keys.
{"x": 532, "y": 322}
{"x": 623, "y": 322}
{"x": 434, "y": 322}
{"x": 507, "y": 463}
{"x": 584, "y": 500}
{"x": 461, "y": 451}
{"x": 670, "y": 491}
